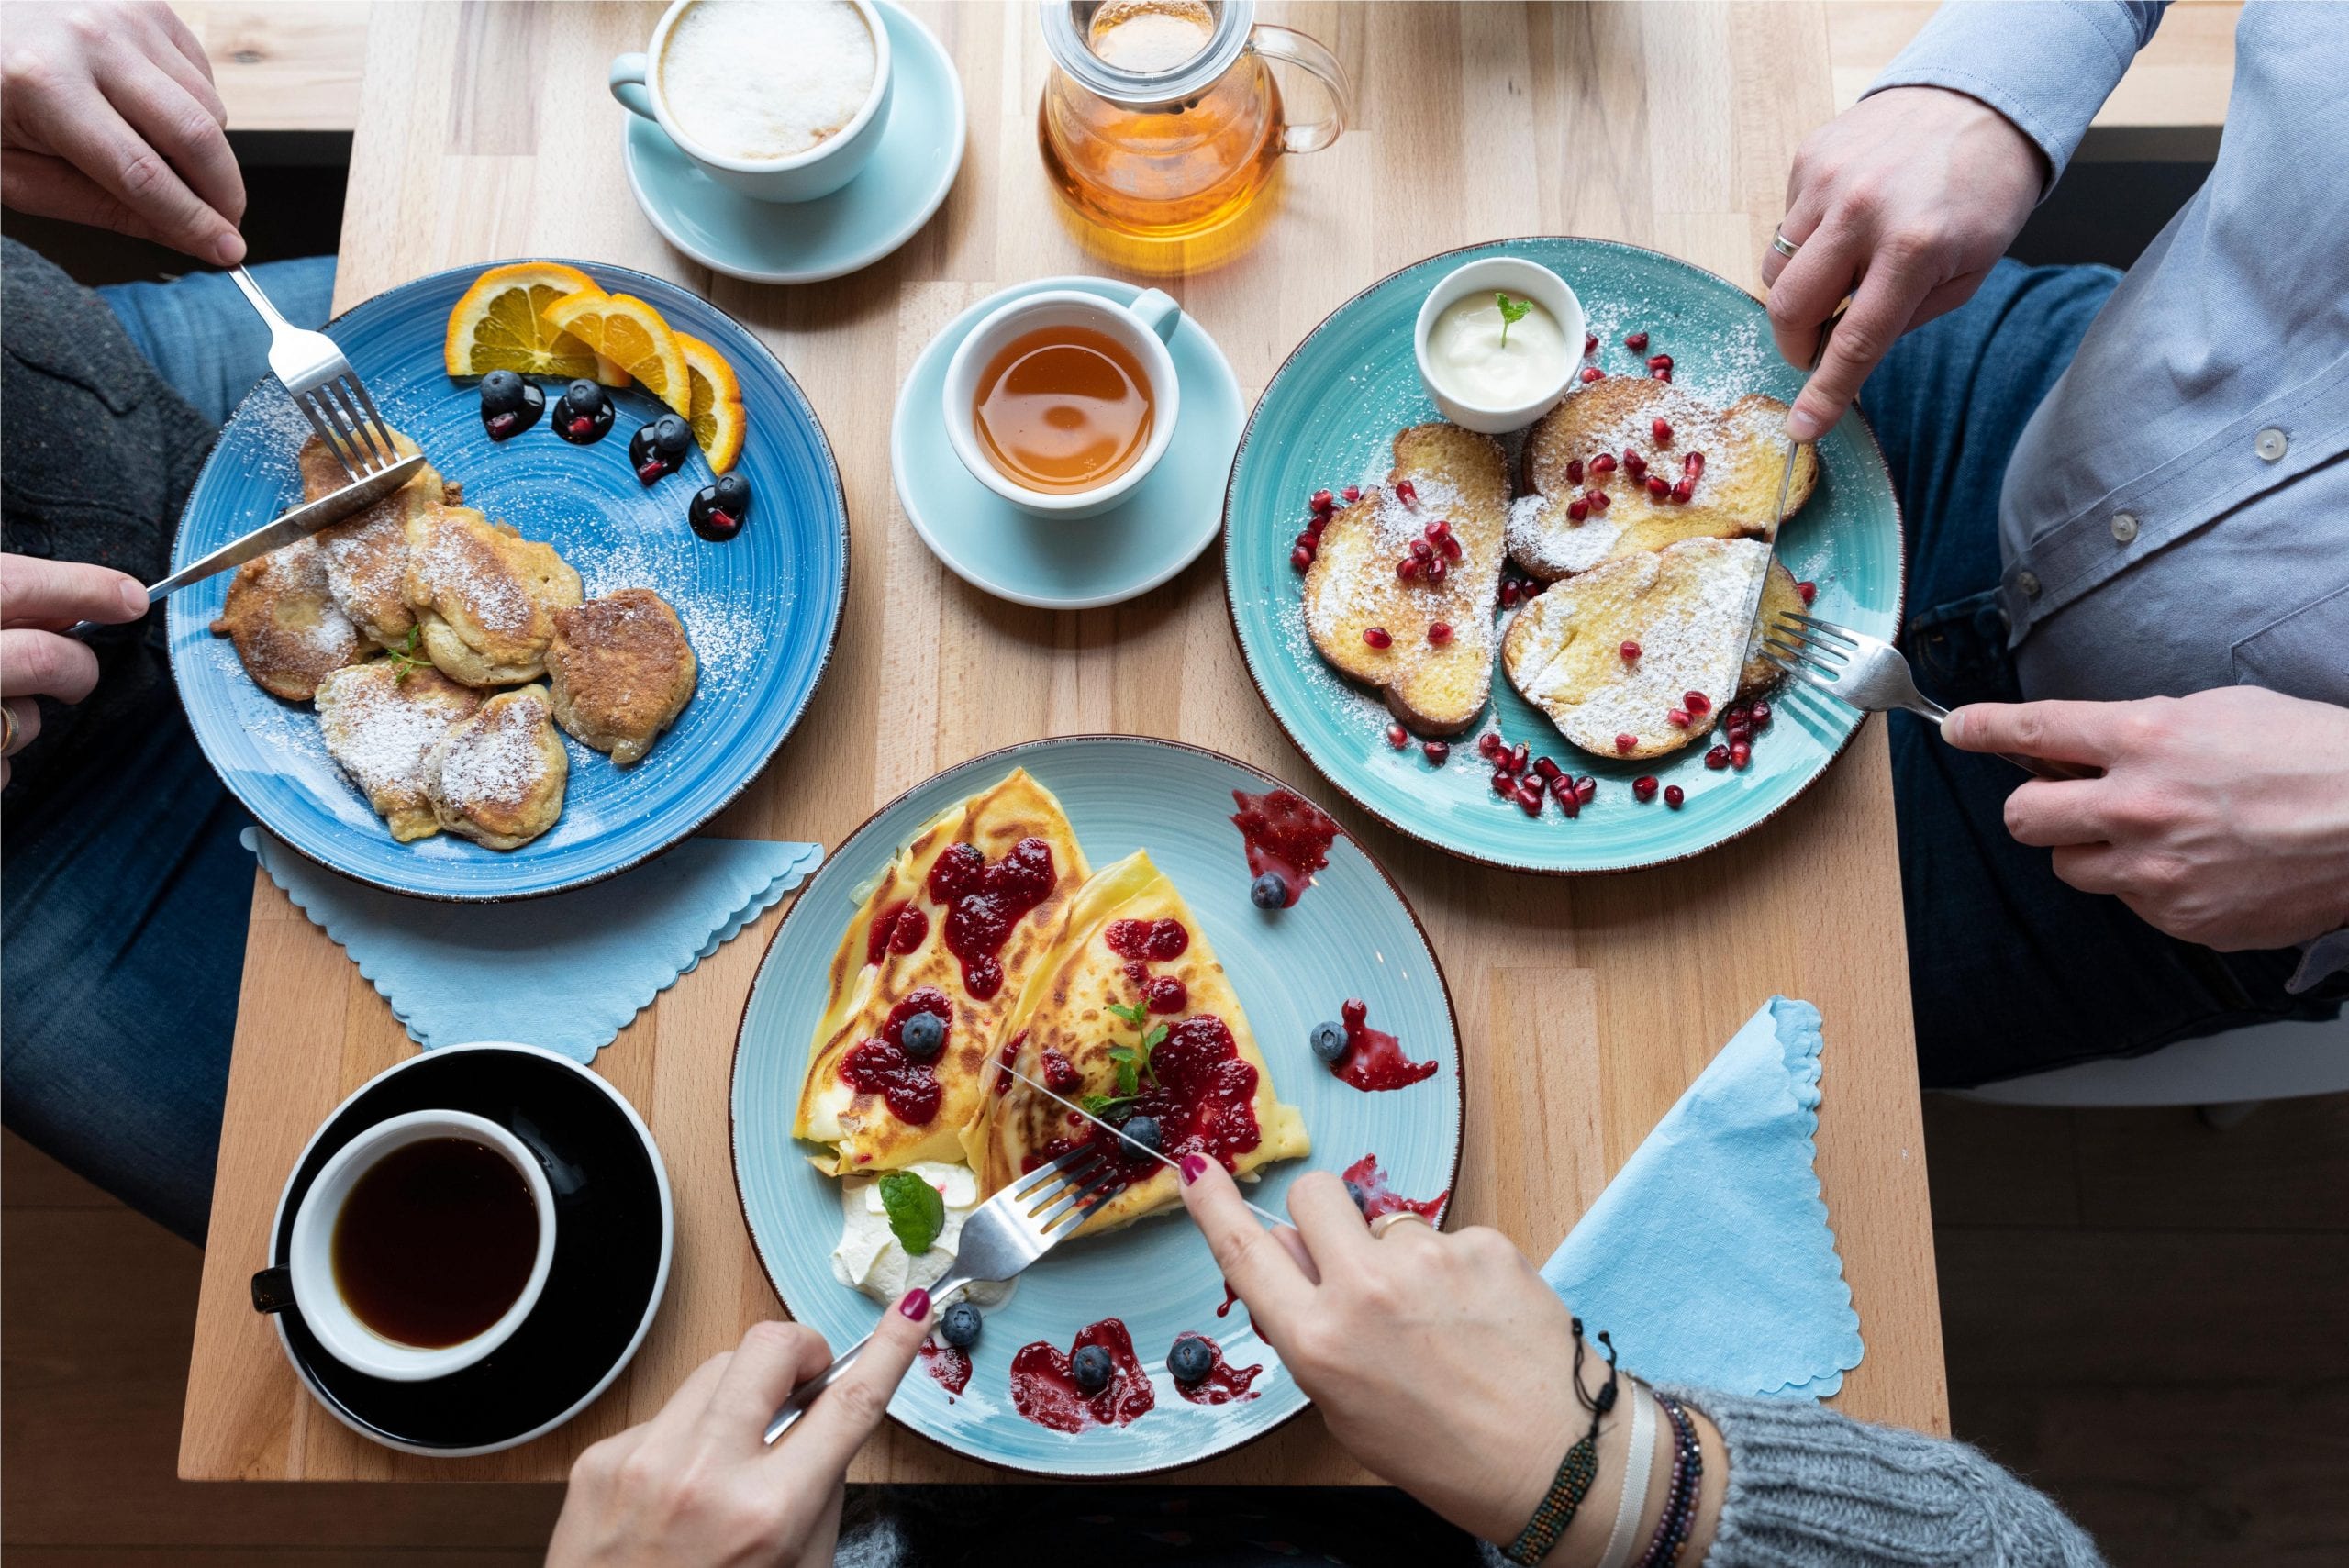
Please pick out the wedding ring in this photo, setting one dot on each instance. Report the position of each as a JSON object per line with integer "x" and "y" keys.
{"x": 7, "y": 731}
{"x": 1782, "y": 245}
{"x": 1386, "y": 1222}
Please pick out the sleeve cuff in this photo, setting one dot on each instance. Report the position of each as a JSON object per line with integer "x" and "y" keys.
{"x": 2321, "y": 957}
{"x": 2047, "y": 68}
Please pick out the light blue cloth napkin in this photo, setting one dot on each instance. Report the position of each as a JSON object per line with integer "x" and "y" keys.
{"x": 1709, "y": 1256}
{"x": 567, "y": 972}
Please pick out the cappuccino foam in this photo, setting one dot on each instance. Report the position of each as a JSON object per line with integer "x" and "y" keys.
{"x": 758, "y": 79}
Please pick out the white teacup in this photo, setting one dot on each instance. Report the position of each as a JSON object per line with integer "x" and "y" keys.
{"x": 310, "y": 1249}
{"x": 1143, "y": 328}
{"x": 636, "y": 81}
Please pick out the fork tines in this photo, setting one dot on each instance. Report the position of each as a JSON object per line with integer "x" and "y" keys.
{"x": 344, "y": 416}
{"x": 1075, "y": 1183}
{"x": 1803, "y": 645}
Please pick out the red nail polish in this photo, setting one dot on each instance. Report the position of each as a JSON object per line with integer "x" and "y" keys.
{"x": 1194, "y": 1167}
{"x": 916, "y": 1305}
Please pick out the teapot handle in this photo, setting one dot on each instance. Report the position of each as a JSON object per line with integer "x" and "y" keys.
{"x": 1292, "y": 48}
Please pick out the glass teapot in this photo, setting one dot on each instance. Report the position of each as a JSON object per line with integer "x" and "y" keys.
{"x": 1161, "y": 118}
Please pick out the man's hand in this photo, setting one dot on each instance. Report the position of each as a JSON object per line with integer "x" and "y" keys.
{"x": 1908, "y": 196}
{"x": 107, "y": 117}
{"x": 37, "y": 600}
{"x": 2222, "y": 818}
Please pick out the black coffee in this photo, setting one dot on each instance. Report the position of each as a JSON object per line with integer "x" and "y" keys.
{"x": 435, "y": 1242}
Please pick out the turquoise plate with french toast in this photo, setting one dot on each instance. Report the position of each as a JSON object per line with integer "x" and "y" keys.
{"x": 1327, "y": 420}
{"x": 1352, "y": 934}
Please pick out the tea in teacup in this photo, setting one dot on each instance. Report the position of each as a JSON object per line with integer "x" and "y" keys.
{"x": 1062, "y": 408}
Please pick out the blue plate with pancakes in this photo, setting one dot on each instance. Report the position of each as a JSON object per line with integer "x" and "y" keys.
{"x": 1349, "y": 935}
{"x": 761, "y": 610}
{"x": 1327, "y": 420}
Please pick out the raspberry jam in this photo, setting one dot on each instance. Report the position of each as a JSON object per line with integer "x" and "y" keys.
{"x": 1231, "y": 1298}
{"x": 897, "y": 928}
{"x": 1287, "y": 833}
{"x": 1144, "y": 940}
{"x": 949, "y": 1366}
{"x": 1205, "y": 1101}
{"x": 1061, "y": 1076}
{"x": 1010, "y": 1054}
{"x": 1224, "y": 1382}
{"x": 1165, "y": 994}
{"x": 1374, "y": 1058}
{"x": 1366, "y": 1185}
{"x": 881, "y": 1066}
{"x": 984, "y": 899}
{"x": 1044, "y": 1390}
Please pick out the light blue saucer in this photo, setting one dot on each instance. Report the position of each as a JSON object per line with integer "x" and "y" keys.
{"x": 1061, "y": 563}
{"x": 806, "y": 242}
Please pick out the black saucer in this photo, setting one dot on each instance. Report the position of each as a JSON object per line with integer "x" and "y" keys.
{"x": 613, "y": 1233}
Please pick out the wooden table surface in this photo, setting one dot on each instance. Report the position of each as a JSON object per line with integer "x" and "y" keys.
{"x": 1587, "y": 1006}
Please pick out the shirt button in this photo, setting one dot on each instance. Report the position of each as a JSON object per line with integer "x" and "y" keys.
{"x": 2124, "y": 527}
{"x": 2029, "y": 583}
{"x": 2271, "y": 443}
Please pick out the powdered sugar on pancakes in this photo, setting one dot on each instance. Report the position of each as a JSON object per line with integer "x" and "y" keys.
{"x": 379, "y": 725}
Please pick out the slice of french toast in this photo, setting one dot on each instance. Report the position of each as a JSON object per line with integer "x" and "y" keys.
{"x": 1778, "y": 595}
{"x": 1372, "y": 624}
{"x": 1566, "y": 650}
{"x": 1744, "y": 456}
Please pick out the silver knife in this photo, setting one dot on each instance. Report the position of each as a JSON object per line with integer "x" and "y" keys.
{"x": 1785, "y": 487}
{"x": 1268, "y": 1218}
{"x": 302, "y": 521}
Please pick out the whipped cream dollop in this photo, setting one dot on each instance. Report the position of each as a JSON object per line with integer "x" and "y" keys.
{"x": 870, "y": 1258}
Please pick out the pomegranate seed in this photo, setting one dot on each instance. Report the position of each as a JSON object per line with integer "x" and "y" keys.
{"x": 1661, "y": 430}
{"x": 1432, "y": 532}
{"x": 1352, "y": 493}
{"x": 1518, "y": 756}
{"x": 1657, "y": 487}
{"x": 1405, "y": 492}
{"x": 1577, "y": 510}
{"x": 1503, "y": 783}
{"x": 1636, "y": 341}
{"x": 581, "y": 425}
{"x": 1629, "y": 650}
{"x": 1738, "y": 729}
{"x": 1673, "y": 795}
{"x": 1407, "y": 569}
{"x": 1591, "y": 374}
{"x": 1574, "y": 470}
{"x": 1760, "y": 715}
{"x": 1644, "y": 787}
{"x": 1693, "y": 466}
{"x": 501, "y": 423}
{"x": 1662, "y": 375}
{"x": 1509, "y": 595}
{"x": 1806, "y": 591}
{"x": 1626, "y": 744}
{"x": 1717, "y": 758}
{"x": 1635, "y": 465}
{"x": 1696, "y": 703}
{"x": 1740, "y": 753}
{"x": 1585, "y": 789}
{"x": 1439, "y": 632}
{"x": 1488, "y": 744}
{"x": 1569, "y": 803}
{"x": 1376, "y": 637}
{"x": 1397, "y": 737}
{"x": 1323, "y": 500}
{"x": 1684, "y": 491}
{"x": 1737, "y": 713}
{"x": 1301, "y": 557}
{"x": 1450, "y": 545}
{"x": 1677, "y": 718}
{"x": 1316, "y": 527}
{"x": 1422, "y": 550}
{"x": 1549, "y": 770}
{"x": 1434, "y": 569}
{"x": 651, "y": 471}
{"x": 1600, "y": 500}
{"x": 1306, "y": 537}
{"x": 1590, "y": 343}
{"x": 1603, "y": 463}
{"x": 1436, "y": 751}
{"x": 1528, "y": 795}
{"x": 1660, "y": 362}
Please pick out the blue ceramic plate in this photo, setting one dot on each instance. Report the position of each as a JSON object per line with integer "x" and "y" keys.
{"x": 803, "y": 242}
{"x": 1062, "y": 563}
{"x": 1327, "y": 420}
{"x": 760, "y": 610}
{"x": 1351, "y": 935}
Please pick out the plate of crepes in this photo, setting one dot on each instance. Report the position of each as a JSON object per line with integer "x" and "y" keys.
{"x": 1529, "y": 648}
{"x": 1188, "y": 948}
{"x": 576, "y": 635}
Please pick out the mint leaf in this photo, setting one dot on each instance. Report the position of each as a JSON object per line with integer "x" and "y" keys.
{"x": 1512, "y": 312}
{"x": 1132, "y": 1014}
{"x": 1155, "y": 1038}
{"x": 1129, "y": 1062}
{"x": 1102, "y": 1105}
{"x": 917, "y": 1214}
{"x": 404, "y": 656}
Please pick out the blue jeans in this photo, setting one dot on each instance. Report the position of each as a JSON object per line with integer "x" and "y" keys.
{"x": 125, "y": 891}
{"x": 2012, "y": 970}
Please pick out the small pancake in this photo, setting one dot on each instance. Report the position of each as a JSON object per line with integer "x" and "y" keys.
{"x": 286, "y": 624}
{"x": 366, "y": 553}
{"x": 381, "y": 720}
{"x": 484, "y": 596}
{"x": 622, "y": 671}
{"x": 498, "y": 777}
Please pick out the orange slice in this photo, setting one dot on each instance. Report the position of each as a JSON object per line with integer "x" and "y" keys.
{"x": 716, "y": 414}
{"x": 630, "y": 333}
{"x": 498, "y": 325}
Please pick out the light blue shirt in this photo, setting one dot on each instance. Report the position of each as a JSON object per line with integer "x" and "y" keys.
{"x": 2176, "y": 514}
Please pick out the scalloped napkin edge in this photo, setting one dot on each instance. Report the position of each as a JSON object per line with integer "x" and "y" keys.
{"x": 568, "y": 971}
{"x": 1711, "y": 1257}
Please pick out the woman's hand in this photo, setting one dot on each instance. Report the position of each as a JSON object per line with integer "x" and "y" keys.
{"x": 109, "y": 117}
{"x": 2221, "y": 818}
{"x": 693, "y": 1487}
{"x": 1909, "y": 196}
{"x": 40, "y": 599}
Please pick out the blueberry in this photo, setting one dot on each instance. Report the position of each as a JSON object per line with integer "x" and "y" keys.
{"x": 959, "y": 1325}
{"x": 733, "y": 493}
{"x": 1144, "y": 1131}
{"x": 1269, "y": 891}
{"x": 672, "y": 436}
{"x": 584, "y": 397}
{"x": 1329, "y": 1042}
{"x": 1091, "y": 1367}
{"x": 1190, "y": 1361}
{"x": 501, "y": 392}
{"x": 1362, "y": 1198}
{"x": 922, "y": 1035}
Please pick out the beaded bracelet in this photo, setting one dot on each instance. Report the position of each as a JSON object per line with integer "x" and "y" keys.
{"x": 1680, "y": 1502}
{"x": 1576, "y": 1472}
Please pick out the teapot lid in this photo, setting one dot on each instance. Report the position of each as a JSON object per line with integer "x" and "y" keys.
{"x": 1068, "y": 22}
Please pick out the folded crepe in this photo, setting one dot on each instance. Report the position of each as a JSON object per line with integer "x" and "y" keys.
{"x": 1128, "y": 960}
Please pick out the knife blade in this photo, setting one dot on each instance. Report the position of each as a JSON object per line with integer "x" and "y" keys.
{"x": 1264, "y": 1215}
{"x": 1785, "y": 487}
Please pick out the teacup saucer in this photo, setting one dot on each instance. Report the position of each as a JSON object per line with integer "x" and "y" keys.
{"x": 803, "y": 242}
{"x": 613, "y": 1233}
{"x": 1059, "y": 563}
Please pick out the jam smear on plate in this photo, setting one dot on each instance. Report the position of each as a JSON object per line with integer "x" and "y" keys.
{"x": 1374, "y": 1059}
{"x": 1224, "y": 1383}
{"x": 984, "y": 899}
{"x": 909, "y": 1087}
{"x": 949, "y": 1366}
{"x": 1043, "y": 1385}
{"x": 1285, "y": 834}
{"x": 1366, "y": 1185}
{"x": 898, "y": 929}
{"x": 1203, "y": 1102}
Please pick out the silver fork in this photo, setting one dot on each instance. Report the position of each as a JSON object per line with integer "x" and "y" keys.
{"x": 1003, "y": 1236}
{"x": 323, "y": 386}
{"x": 1868, "y": 674}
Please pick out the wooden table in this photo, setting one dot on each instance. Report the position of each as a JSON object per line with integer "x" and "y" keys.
{"x": 1586, "y": 1004}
